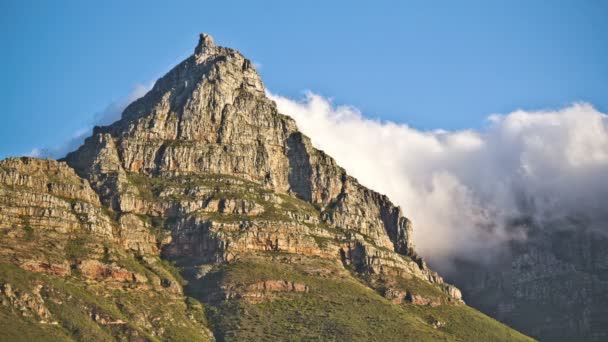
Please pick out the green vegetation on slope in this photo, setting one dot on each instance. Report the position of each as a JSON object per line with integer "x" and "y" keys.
{"x": 16, "y": 328}
{"x": 264, "y": 296}
{"x": 94, "y": 311}
{"x": 336, "y": 307}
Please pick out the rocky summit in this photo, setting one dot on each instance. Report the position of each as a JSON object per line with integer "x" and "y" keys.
{"x": 204, "y": 214}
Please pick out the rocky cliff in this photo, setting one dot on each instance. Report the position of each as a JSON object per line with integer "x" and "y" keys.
{"x": 64, "y": 271}
{"x": 204, "y": 188}
{"x": 206, "y": 141}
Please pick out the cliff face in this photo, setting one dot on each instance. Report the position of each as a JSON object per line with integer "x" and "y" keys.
{"x": 203, "y": 124}
{"x": 64, "y": 273}
{"x": 553, "y": 286}
{"x": 57, "y": 199}
{"x": 203, "y": 188}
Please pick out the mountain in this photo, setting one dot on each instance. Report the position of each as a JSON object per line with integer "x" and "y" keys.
{"x": 202, "y": 214}
{"x": 553, "y": 285}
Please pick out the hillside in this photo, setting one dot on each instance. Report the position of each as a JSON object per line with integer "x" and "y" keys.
{"x": 202, "y": 214}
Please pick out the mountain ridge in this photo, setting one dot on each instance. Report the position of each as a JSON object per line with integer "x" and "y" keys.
{"x": 176, "y": 129}
{"x": 204, "y": 193}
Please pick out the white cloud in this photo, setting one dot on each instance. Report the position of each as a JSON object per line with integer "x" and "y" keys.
{"x": 109, "y": 115}
{"x": 36, "y": 153}
{"x": 113, "y": 111}
{"x": 462, "y": 188}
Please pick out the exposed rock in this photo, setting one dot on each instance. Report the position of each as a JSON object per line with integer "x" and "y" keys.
{"x": 209, "y": 116}
{"x": 256, "y": 292}
{"x": 136, "y": 235}
{"x": 422, "y": 300}
{"x": 277, "y": 286}
{"x": 95, "y": 270}
{"x": 394, "y": 295}
{"x": 48, "y": 195}
{"x": 39, "y": 266}
{"x": 205, "y": 173}
{"x": 437, "y": 324}
{"x": 105, "y": 319}
{"x": 26, "y": 303}
{"x": 453, "y": 292}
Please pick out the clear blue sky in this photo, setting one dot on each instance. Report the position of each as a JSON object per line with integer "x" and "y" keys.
{"x": 430, "y": 64}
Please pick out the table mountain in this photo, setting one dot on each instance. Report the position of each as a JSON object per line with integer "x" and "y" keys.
{"x": 203, "y": 213}
{"x": 553, "y": 285}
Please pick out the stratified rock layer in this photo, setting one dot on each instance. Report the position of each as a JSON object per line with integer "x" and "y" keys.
{"x": 48, "y": 195}
{"x": 269, "y": 233}
{"x": 207, "y": 156}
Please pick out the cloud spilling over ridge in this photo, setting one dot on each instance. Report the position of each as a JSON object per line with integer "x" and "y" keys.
{"x": 465, "y": 190}
{"x": 109, "y": 115}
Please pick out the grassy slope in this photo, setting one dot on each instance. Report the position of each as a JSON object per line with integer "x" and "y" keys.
{"x": 338, "y": 307}
{"x": 15, "y": 328}
{"x": 71, "y": 301}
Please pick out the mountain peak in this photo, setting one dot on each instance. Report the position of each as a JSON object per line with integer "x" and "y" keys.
{"x": 209, "y": 117}
{"x": 205, "y": 40}
{"x": 205, "y": 43}
{"x": 203, "y": 176}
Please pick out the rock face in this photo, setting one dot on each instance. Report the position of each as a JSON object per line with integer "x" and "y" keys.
{"x": 63, "y": 267}
{"x": 48, "y": 195}
{"x": 204, "y": 173}
{"x": 206, "y": 146}
{"x": 553, "y": 286}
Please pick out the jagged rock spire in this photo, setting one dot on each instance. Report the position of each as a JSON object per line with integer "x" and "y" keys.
{"x": 204, "y": 41}
{"x": 204, "y": 48}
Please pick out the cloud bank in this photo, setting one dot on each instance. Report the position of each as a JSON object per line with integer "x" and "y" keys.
{"x": 466, "y": 191}
{"x": 107, "y": 116}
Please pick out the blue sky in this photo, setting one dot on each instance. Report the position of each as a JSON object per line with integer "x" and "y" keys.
{"x": 441, "y": 64}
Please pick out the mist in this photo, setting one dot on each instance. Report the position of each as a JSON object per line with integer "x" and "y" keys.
{"x": 465, "y": 190}
{"x": 108, "y": 115}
